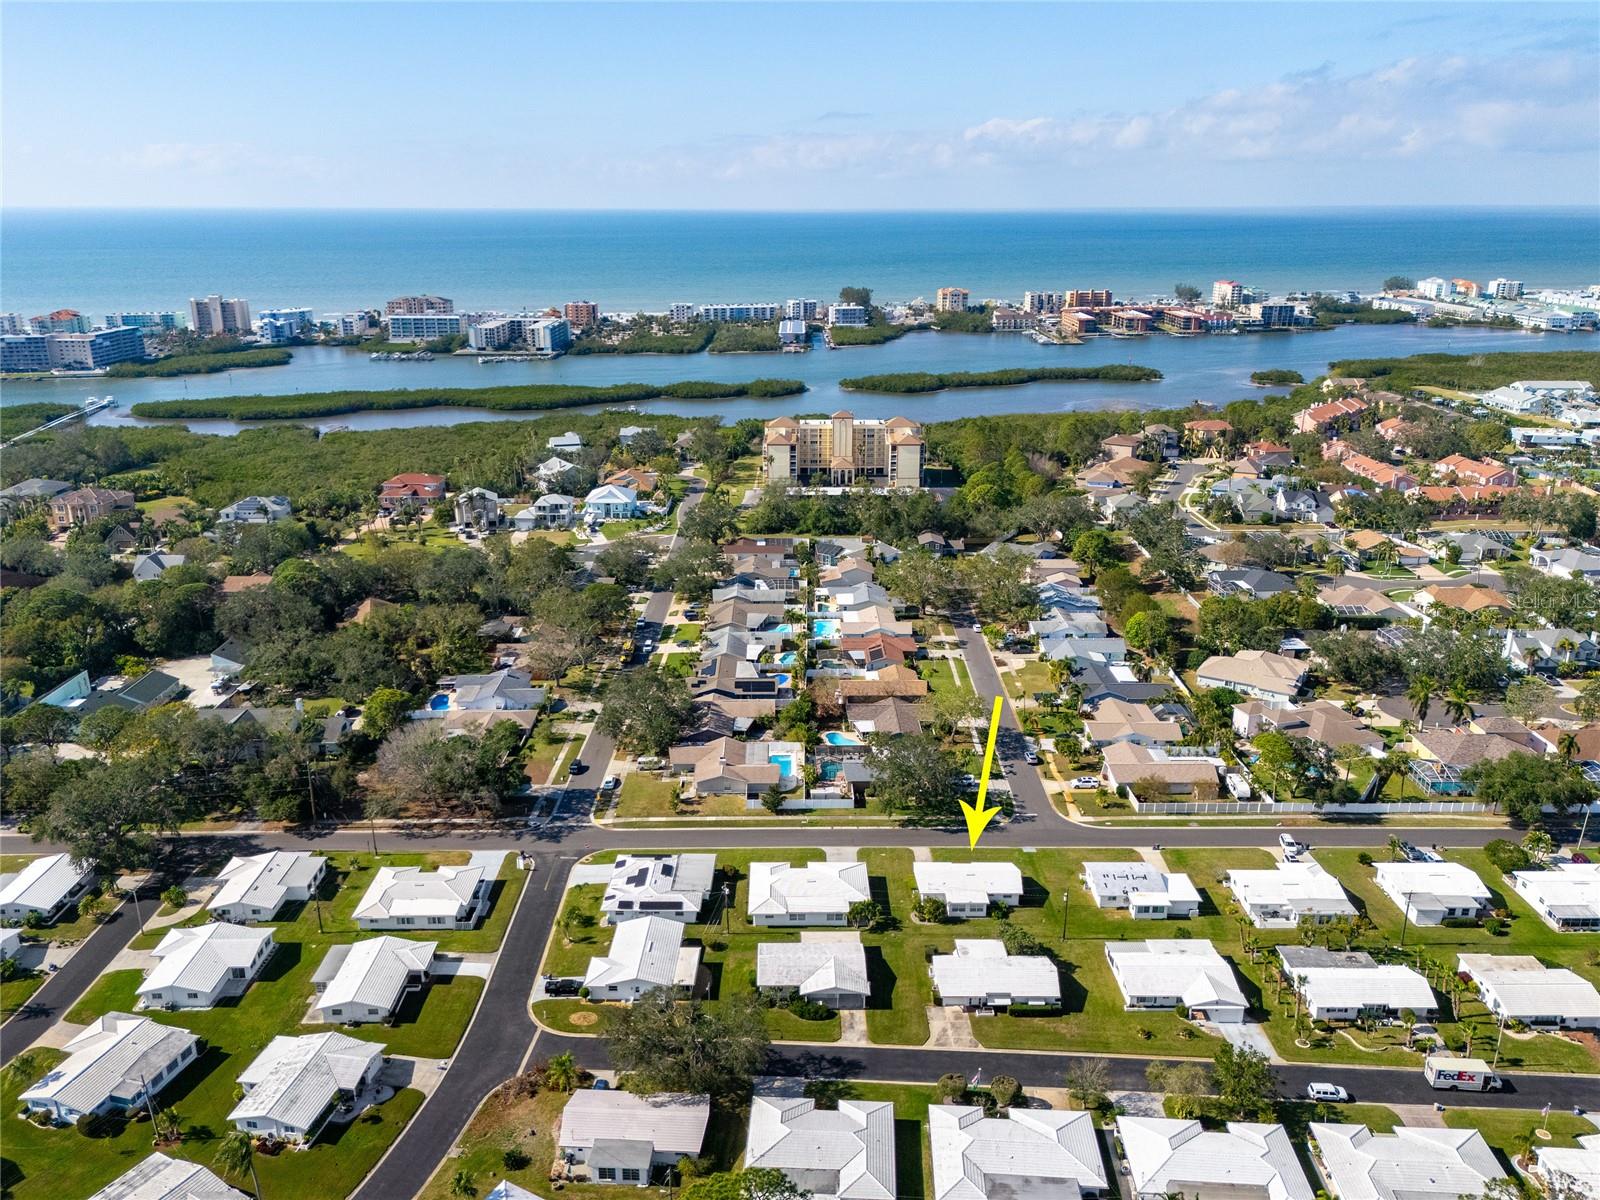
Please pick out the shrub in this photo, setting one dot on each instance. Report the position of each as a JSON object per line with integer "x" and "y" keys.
{"x": 1019, "y": 941}
{"x": 1364, "y": 859}
{"x": 1507, "y": 856}
{"x": 33, "y": 920}
{"x": 1497, "y": 926}
{"x": 807, "y": 1009}
{"x": 930, "y": 909}
{"x": 175, "y": 897}
{"x": 951, "y": 1087}
{"x": 515, "y": 1159}
{"x": 1005, "y": 1090}
{"x": 583, "y": 992}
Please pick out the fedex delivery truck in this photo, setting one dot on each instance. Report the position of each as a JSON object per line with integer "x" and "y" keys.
{"x": 1459, "y": 1074}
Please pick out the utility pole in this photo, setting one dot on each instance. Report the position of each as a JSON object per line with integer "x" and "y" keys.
{"x": 1066, "y": 899}
{"x": 1583, "y": 830}
{"x": 150, "y": 1107}
{"x": 724, "y": 908}
{"x": 311, "y": 794}
{"x": 1405, "y": 916}
{"x": 1499, "y": 1037}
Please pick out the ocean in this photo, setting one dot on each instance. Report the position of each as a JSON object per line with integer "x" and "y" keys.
{"x": 100, "y": 261}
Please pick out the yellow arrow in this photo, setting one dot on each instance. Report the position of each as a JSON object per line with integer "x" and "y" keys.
{"x": 978, "y": 817}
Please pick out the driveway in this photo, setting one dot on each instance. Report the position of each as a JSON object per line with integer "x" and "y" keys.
{"x": 949, "y": 1029}
{"x": 1245, "y": 1035}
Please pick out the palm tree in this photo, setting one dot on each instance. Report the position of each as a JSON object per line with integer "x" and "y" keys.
{"x": 1457, "y": 704}
{"x": 561, "y": 1073}
{"x": 1394, "y": 848}
{"x": 1420, "y": 693}
{"x": 463, "y": 1184}
{"x": 236, "y": 1154}
{"x": 1567, "y": 745}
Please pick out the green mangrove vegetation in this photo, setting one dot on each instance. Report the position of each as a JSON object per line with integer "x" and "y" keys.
{"x": 928, "y": 381}
{"x": 200, "y": 364}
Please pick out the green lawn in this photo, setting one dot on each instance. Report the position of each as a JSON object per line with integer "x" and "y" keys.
{"x": 541, "y": 751}
{"x": 1509, "y": 1130}
{"x": 430, "y": 1026}
{"x": 941, "y": 676}
{"x": 1033, "y": 677}
{"x": 649, "y": 795}
{"x": 425, "y": 536}
{"x": 728, "y": 948}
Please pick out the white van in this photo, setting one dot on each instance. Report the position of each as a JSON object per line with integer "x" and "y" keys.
{"x": 1291, "y": 848}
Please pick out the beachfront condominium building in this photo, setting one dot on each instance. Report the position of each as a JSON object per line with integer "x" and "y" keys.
{"x": 278, "y": 325}
{"x": 424, "y": 327}
{"x": 418, "y": 306}
{"x": 1043, "y": 304}
{"x": 214, "y": 315}
{"x": 353, "y": 324}
{"x": 841, "y": 449}
{"x": 681, "y": 311}
{"x": 63, "y": 320}
{"x": 1505, "y": 289}
{"x": 581, "y": 314}
{"x": 12, "y": 323}
{"x": 1469, "y": 288}
{"x": 847, "y": 314}
{"x": 158, "y": 322}
{"x": 1434, "y": 288}
{"x": 801, "y": 310}
{"x": 1087, "y": 298}
{"x": 539, "y": 333}
{"x": 951, "y": 299}
{"x": 71, "y": 351}
{"x": 1227, "y": 293}
{"x": 740, "y": 312}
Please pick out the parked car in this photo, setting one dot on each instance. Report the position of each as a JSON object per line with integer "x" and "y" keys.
{"x": 1292, "y": 849}
{"x": 611, "y": 784}
{"x": 1031, "y": 757}
{"x": 555, "y": 985}
{"x": 1330, "y": 1093}
{"x": 1086, "y": 782}
{"x": 578, "y": 767}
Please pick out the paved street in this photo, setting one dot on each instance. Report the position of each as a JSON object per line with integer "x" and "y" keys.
{"x": 61, "y": 991}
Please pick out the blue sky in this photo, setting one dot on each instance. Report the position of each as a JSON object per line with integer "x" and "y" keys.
{"x": 799, "y": 106}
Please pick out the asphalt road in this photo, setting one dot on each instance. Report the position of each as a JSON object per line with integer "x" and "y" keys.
{"x": 61, "y": 991}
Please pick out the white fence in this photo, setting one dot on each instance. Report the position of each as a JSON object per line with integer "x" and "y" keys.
{"x": 1227, "y": 808}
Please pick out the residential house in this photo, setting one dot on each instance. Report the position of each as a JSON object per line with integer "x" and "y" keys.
{"x": 161, "y": 1178}
{"x": 1319, "y": 720}
{"x": 1348, "y": 985}
{"x": 257, "y": 886}
{"x": 150, "y": 690}
{"x": 1381, "y": 474}
{"x": 1466, "y": 597}
{"x": 1370, "y": 546}
{"x": 842, "y": 1153}
{"x": 729, "y": 767}
{"x": 1270, "y": 455}
{"x": 980, "y": 974}
{"x": 1566, "y": 563}
{"x": 1441, "y": 757}
{"x": 505, "y": 690}
{"x": 1102, "y": 681}
{"x": 1119, "y": 721}
{"x": 552, "y": 470}
{"x": 198, "y": 966}
{"x": 120, "y": 541}
{"x": 564, "y": 443}
{"x": 824, "y": 966}
{"x": 969, "y": 889}
{"x": 1482, "y": 472}
{"x": 1251, "y": 582}
{"x": 1207, "y": 432}
{"x": 1567, "y": 895}
{"x": 874, "y": 650}
{"x": 114, "y": 1062}
{"x": 891, "y": 715}
{"x": 362, "y": 982}
{"x": 1430, "y": 893}
{"x": 478, "y": 508}
{"x": 412, "y": 898}
{"x": 819, "y": 893}
{"x": 1259, "y": 673}
{"x": 10, "y": 942}
{"x": 1571, "y": 1171}
{"x": 1518, "y": 987}
{"x": 1118, "y": 473}
{"x": 1471, "y": 547}
{"x": 673, "y": 886}
{"x": 256, "y": 510}
{"x": 1147, "y": 894}
{"x": 646, "y": 953}
{"x": 80, "y": 507}
{"x": 1028, "y": 1154}
{"x": 1122, "y": 445}
{"x": 294, "y": 1086}
{"x": 232, "y": 585}
{"x": 1356, "y": 600}
{"x": 1304, "y": 505}
{"x": 1408, "y": 1163}
{"x": 1463, "y": 500}
{"x": 1125, "y": 765}
{"x": 551, "y": 511}
{"x": 610, "y": 502}
{"x": 1546, "y": 649}
{"x": 1244, "y": 1161}
{"x": 45, "y": 886}
{"x": 1167, "y": 973}
{"x": 735, "y": 678}
{"x": 410, "y": 490}
{"x": 152, "y": 566}
{"x": 626, "y": 1138}
{"x": 643, "y": 482}
{"x": 1332, "y": 416}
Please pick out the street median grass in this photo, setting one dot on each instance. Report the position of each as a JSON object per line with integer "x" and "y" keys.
{"x": 521, "y": 398}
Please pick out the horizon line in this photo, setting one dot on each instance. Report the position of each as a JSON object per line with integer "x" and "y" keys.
{"x": 620, "y": 210}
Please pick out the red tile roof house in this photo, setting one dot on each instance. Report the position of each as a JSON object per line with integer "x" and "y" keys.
{"x": 1344, "y": 413}
{"x": 1483, "y": 472}
{"x": 413, "y": 488}
{"x": 1380, "y": 474}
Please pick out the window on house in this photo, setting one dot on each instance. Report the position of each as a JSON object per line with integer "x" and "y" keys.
{"x": 630, "y": 1174}
{"x": 606, "y": 1173}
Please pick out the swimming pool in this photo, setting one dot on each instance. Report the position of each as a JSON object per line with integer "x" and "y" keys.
{"x": 785, "y": 764}
{"x": 439, "y": 702}
{"x": 784, "y": 679}
{"x": 825, "y": 628}
{"x": 835, "y": 738}
{"x": 831, "y": 771}
{"x": 787, "y": 658}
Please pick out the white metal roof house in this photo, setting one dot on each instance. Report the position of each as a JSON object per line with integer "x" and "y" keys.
{"x": 1290, "y": 894}
{"x": 1577, "y": 1169}
{"x": 295, "y": 1084}
{"x": 968, "y": 889}
{"x": 1567, "y": 895}
{"x": 1519, "y": 987}
{"x": 114, "y": 1063}
{"x": 1245, "y": 1160}
{"x": 257, "y": 886}
{"x": 1164, "y": 973}
{"x": 675, "y": 886}
{"x": 1147, "y": 894}
{"x": 45, "y": 886}
{"x": 1032, "y": 1154}
{"x": 1408, "y": 1164}
{"x": 645, "y": 954}
{"x": 818, "y": 893}
{"x": 980, "y": 974}
{"x": 10, "y": 943}
{"x": 1347, "y": 985}
{"x": 161, "y": 1178}
{"x": 620, "y": 1136}
{"x": 411, "y": 898}
{"x": 198, "y": 965}
{"x": 255, "y": 510}
{"x": 1432, "y": 892}
{"x": 367, "y": 980}
{"x": 840, "y": 1154}
{"x": 825, "y": 966}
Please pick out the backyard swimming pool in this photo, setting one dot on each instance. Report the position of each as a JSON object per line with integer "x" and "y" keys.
{"x": 439, "y": 702}
{"x": 787, "y": 658}
{"x": 835, "y": 738}
{"x": 785, "y": 763}
{"x": 825, "y": 628}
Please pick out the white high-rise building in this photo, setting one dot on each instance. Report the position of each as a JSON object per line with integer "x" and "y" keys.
{"x": 355, "y": 324}
{"x": 1505, "y": 289}
{"x": 1435, "y": 288}
{"x": 1227, "y": 293}
{"x": 682, "y": 311}
{"x": 801, "y": 310}
{"x": 1042, "y": 303}
{"x": 277, "y": 325}
{"x": 214, "y": 315}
